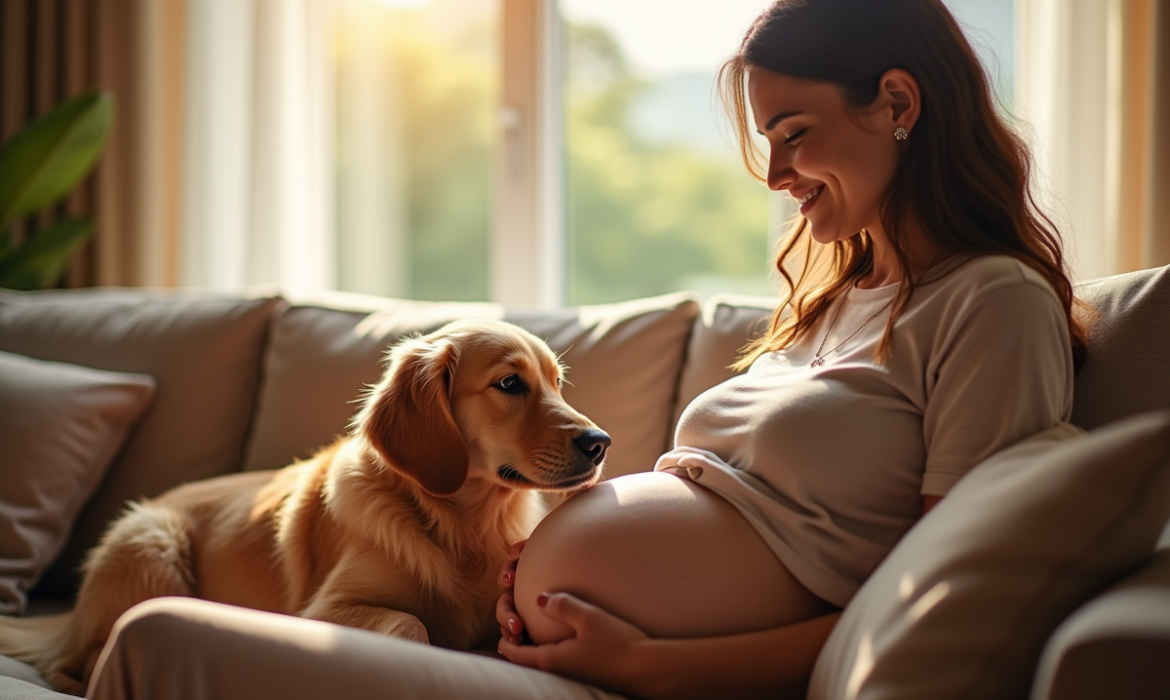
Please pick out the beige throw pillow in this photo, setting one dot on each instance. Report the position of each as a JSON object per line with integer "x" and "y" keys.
{"x": 963, "y": 605}
{"x": 60, "y": 427}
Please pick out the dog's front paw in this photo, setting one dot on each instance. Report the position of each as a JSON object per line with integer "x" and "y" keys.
{"x": 64, "y": 683}
{"x": 405, "y": 626}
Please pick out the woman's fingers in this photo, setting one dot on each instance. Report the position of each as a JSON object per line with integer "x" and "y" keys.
{"x": 549, "y": 657}
{"x": 602, "y": 649}
{"x": 506, "y": 615}
{"x": 505, "y": 606}
{"x": 508, "y": 575}
{"x": 510, "y": 622}
{"x": 514, "y": 550}
{"x": 528, "y": 655}
{"x": 567, "y": 608}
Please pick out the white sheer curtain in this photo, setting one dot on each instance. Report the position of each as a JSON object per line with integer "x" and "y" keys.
{"x": 1093, "y": 83}
{"x": 372, "y": 180}
{"x": 258, "y": 175}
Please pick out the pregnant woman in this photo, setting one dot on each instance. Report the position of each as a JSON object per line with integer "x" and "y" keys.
{"x": 928, "y": 323}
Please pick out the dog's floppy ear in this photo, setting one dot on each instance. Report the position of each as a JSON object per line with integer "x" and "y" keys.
{"x": 408, "y": 420}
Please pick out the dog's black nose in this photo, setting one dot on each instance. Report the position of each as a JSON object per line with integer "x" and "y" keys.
{"x": 593, "y": 443}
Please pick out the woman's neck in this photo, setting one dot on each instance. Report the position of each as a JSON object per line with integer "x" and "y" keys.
{"x": 921, "y": 254}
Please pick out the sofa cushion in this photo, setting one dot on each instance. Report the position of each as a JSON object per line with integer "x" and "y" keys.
{"x": 1127, "y": 369}
{"x": 204, "y": 353}
{"x": 1116, "y": 645}
{"x": 60, "y": 427}
{"x": 16, "y": 689}
{"x": 624, "y": 361}
{"x": 17, "y": 677}
{"x": 726, "y": 324}
{"x": 963, "y": 605}
{"x": 322, "y": 354}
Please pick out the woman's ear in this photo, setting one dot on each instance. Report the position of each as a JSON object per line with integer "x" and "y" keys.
{"x": 900, "y": 99}
{"x": 407, "y": 417}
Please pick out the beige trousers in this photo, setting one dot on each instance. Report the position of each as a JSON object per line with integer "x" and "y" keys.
{"x": 186, "y": 649}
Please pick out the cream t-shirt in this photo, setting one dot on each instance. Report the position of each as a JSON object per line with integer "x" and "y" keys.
{"x": 830, "y": 463}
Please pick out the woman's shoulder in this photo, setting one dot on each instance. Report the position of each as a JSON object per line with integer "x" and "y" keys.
{"x": 975, "y": 275}
{"x": 986, "y": 289}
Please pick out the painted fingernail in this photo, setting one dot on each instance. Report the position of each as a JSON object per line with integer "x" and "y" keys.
{"x": 512, "y": 625}
{"x": 508, "y": 577}
{"x": 541, "y": 599}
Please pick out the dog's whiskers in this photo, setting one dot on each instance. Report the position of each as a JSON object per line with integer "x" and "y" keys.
{"x": 550, "y": 463}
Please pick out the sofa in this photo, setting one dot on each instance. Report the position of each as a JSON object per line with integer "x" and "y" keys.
{"x": 109, "y": 395}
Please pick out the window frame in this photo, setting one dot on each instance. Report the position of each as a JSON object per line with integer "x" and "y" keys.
{"x": 527, "y": 266}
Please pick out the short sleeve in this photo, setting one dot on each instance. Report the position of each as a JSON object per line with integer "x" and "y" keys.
{"x": 1004, "y": 373}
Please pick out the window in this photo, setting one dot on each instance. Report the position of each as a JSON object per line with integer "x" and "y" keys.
{"x": 657, "y": 199}
{"x": 540, "y": 153}
{"x": 417, "y": 100}
{"x": 990, "y": 26}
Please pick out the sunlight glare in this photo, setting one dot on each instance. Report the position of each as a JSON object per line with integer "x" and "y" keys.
{"x": 929, "y": 599}
{"x": 663, "y": 37}
{"x": 405, "y": 4}
{"x": 861, "y": 667}
{"x": 906, "y": 586}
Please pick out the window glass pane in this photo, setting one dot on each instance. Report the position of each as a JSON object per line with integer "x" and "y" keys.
{"x": 657, "y": 198}
{"x": 989, "y": 26}
{"x": 417, "y": 94}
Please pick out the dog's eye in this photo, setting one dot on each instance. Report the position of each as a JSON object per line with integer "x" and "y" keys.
{"x": 511, "y": 384}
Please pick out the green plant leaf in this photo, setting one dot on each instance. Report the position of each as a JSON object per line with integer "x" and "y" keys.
{"x": 45, "y": 159}
{"x": 42, "y": 258}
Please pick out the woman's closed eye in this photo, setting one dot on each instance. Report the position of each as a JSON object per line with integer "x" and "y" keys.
{"x": 794, "y": 137}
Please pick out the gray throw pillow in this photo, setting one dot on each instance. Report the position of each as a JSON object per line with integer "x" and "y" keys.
{"x": 204, "y": 353}
{"x": 60, "y": 427}
{"x": 963, "y": 605}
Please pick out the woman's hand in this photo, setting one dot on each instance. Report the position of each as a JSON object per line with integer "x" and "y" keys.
{"x": 602, "y": 650}
{"x": 511, "y": 626}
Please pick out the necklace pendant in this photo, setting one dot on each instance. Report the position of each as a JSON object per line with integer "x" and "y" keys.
{"x": 817, "y": 362}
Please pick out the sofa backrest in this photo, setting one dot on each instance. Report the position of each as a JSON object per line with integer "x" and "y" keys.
{"x": 204, "y": 354}
{"x": 255, "y": 383}
{"x": 1126, "y": 371}
{"x": 725, "y": 325}
{"x": 624, "y": 362}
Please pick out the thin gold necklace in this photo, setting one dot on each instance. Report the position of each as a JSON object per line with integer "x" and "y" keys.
{"x": 819, "y": 358}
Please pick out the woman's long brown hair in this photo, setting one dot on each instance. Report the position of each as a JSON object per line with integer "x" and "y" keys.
{"x": 963, "y": 177}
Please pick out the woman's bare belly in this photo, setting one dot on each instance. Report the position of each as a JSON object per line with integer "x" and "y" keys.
{"x": 667, "y": 555}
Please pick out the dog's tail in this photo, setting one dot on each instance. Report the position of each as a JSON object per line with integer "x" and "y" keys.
{"x": 36, "y": 641}
{"x": 146, "y": 553}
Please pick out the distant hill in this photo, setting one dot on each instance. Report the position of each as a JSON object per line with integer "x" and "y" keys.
{"x": 684, "y": 108}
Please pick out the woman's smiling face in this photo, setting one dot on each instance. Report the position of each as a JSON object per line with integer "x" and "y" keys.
{"x": 836, "y": 161}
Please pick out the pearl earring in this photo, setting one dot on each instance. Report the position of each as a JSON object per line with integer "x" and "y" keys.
{"x": 901, "y": 134}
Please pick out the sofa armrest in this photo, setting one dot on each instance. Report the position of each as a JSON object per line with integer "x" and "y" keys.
{"x": 1116, "y": 645}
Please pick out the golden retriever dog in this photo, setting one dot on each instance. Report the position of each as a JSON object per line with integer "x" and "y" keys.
{"x": 402, "y": 527}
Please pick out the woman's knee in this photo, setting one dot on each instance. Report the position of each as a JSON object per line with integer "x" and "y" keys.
{"x": 147, "y": 622}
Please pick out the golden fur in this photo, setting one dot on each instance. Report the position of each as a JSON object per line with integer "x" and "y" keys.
{"x": 400, "y": 528}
